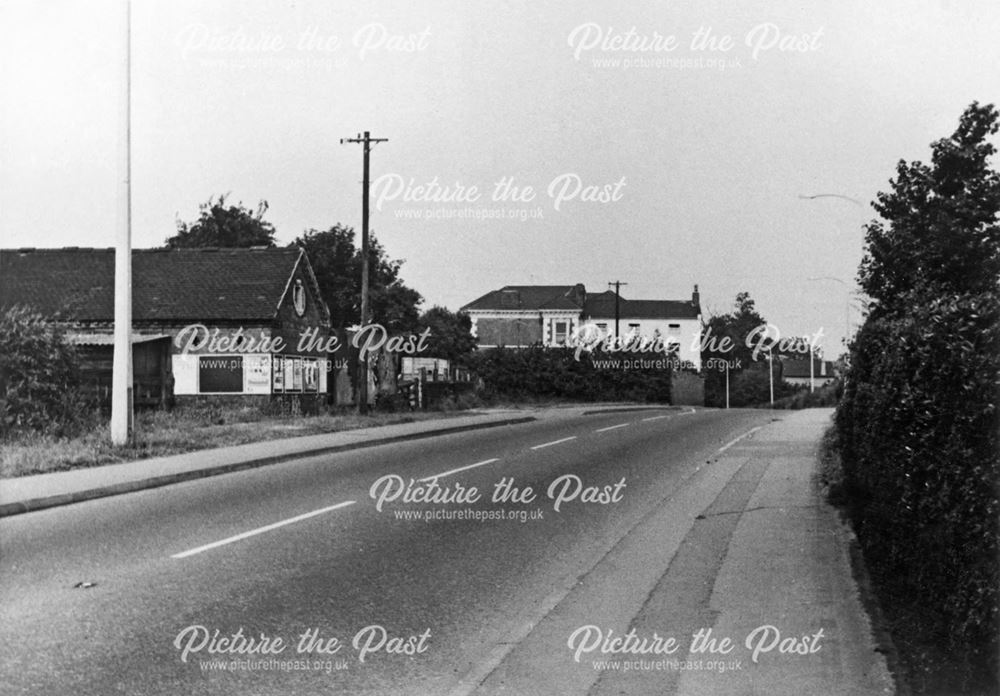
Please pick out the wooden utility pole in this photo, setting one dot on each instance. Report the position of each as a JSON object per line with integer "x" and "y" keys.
{"x": 367, "y": 141}
{"x": 617, "y": 284}
{"x": 121, "y": 374}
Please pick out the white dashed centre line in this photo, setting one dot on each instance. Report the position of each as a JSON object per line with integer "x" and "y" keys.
{"x": 611, "y": 427}
{"x": 461, "y": 468}
{"x": 261, "y": 530}
{"x": 554, "y": 442}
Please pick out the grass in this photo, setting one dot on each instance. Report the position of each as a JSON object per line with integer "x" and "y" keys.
{"x": 161, "y": 433}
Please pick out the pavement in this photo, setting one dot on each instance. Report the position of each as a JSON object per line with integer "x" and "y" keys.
{"x": 787, "y": 571}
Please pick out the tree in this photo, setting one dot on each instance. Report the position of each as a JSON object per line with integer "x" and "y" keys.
{"x": 725, "y": 335}
{"x": 39, "y": 374}
{"x": 938, "y": 233}
{"x": 451, "y": 334}
{"x": 724, "y": 341}
{"x": 336, "y": 261}
{"x": 220, "y": 225}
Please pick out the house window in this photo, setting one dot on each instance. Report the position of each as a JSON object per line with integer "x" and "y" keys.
{"x": 674, "y": 329}
{"x": 560, "y": 332}
{"x": 220, "y": 374}
{"x": 603, "y": 327}
{"x": 299, "y": 298}
{"x": 633, "y": 328}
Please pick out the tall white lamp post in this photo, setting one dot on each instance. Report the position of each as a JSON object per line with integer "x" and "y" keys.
{"x": 121, "y": 376}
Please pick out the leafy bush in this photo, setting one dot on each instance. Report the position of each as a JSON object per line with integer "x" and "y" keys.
{"x": 540, "y": 372}
{"x": 39, "y": 376}
{"x": 919, "y": 426}
{"x": 752, "y": 387}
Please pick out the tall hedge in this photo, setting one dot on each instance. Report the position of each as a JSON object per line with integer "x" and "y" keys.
{"x": 541, "y": 372}
{"x": 919, "y": 432}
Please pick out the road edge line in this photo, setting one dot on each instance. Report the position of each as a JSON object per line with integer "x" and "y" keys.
{"x": 735, "y": 440}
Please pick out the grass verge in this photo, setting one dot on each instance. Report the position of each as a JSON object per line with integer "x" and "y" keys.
{"x": 161, "y": 433}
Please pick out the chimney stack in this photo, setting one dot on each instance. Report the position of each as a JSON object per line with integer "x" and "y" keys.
{"x": 696, "y": 297}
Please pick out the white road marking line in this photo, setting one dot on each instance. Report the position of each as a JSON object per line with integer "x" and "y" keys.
{"x": 461, "y": 468}
{"x": 612, "y": 427}
{"x": 687, "y": 413}
{"x": 554, "y": 442}
{"x": 652, "y": 418}
{"x": 261, "y": 530}
{"x": 749, "y": 432}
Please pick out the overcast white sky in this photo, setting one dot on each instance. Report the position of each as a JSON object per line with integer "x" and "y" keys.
{"x": 251, "y": 98}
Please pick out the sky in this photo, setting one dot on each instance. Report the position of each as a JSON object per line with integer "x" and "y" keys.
{"x": 662, "y": 144}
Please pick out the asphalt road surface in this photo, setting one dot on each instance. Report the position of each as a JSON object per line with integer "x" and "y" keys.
{"x": 288, "y": 579}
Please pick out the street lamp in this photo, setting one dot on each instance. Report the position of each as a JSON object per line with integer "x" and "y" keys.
{"x": 847, "y": 299}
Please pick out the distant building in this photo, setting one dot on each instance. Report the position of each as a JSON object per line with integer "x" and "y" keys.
{"x": 523, "y": 315}
{"x": 676, "y": 321}
{"x": 517, "y": 316}
{"x": 797, "y": 372}
{"x": 245, "y": 297}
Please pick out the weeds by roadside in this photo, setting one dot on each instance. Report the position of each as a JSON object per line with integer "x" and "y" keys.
{"x": 161, "y": 433}
{"x": 824, "y": 397}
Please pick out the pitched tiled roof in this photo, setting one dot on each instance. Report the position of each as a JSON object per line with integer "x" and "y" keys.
{"x": 530, "y": 297}
{"x": 602, "y": 306}
{"x": 167, "y": 284}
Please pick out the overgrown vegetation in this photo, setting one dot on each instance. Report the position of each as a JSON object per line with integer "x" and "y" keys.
{"x": 918, "y": 424}
{"x": 39, "y": 376}
{"x": 542, "y": 373}
{"x": 750, "y": 387}
{"x": 185, "y": 429}
{"x": 823, "y": 397}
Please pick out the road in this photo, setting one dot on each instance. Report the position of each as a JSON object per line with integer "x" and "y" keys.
{"x": 329, "y": 594}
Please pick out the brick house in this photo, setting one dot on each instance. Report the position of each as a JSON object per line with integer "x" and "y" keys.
{"x": 517, "y": 316}
{"x": 206, "y": 322}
